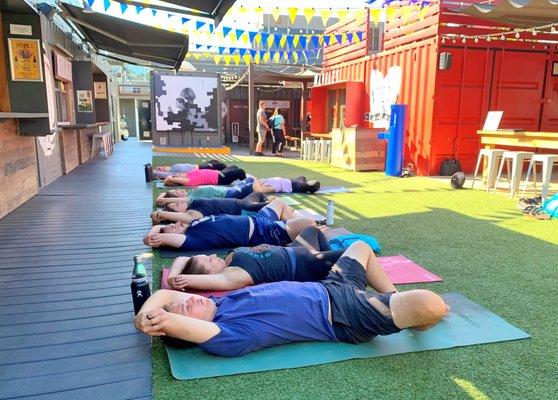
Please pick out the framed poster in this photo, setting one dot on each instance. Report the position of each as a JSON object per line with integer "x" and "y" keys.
{"x": 84, "y": 100}
{"x": 100, "y": 90}
{"x": 62, "y": 67}
{"x": 25, "y": 59}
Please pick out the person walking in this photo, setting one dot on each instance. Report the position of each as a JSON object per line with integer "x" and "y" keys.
{"x": 262, "y": 128}
{"x": 279, "y": 132}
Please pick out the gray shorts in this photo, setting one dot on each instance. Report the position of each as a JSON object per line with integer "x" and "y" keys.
{"x": 262, "y": 135}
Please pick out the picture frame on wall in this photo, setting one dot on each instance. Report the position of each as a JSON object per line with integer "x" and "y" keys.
{"x": 555, "y": 68}
{"x": 84, "y": 100}
{"x": 25, "y": 59}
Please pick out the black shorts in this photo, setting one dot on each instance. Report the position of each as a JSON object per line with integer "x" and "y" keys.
{"x": 354, "y": 319}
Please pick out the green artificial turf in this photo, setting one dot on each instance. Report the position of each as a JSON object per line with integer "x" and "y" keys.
{"x": 477, "y": 242}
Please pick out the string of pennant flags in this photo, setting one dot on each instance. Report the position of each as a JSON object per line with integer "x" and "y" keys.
{"x": 248, "y": 56}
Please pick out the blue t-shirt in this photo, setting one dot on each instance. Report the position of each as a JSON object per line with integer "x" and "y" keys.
{"x": 241, "y": 189}
{"x": 277, "y": 121}
{"x": 267, "y": 315}
{"x": 265, "y": 265}
{"x": 216, "y": 206}
{"x": 217, "y": 231}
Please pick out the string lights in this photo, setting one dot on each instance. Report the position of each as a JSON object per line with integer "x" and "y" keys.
{"x": 515, "y": 33}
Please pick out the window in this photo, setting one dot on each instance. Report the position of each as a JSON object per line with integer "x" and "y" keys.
{"x": 63, "y": 87}
{"x": 62, "y": 106}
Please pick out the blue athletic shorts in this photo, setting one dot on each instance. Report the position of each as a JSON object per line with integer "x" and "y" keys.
{"x": 268, "y": 229}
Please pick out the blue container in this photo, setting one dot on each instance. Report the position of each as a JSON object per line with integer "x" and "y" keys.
{"x": 395, "y": 137}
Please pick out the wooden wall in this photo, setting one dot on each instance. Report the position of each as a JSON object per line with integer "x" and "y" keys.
{"x": 18, "y": 167}
{"x": 69, "y": 145}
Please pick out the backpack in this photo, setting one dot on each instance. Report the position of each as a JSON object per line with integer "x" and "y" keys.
{"x": 344, "y": 241}
{"x": 450, "y": 167}
{"x": 550, "y": 206}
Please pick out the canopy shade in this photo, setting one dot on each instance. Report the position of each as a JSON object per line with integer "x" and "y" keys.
{"x": 214, "y": 9}
{"x": 519, "y": 13}
{"x": 119, "y": 36}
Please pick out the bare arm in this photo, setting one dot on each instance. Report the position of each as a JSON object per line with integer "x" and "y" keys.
{"x": 283, "y": 128}
{"x": 163, "y": 201}
{"x": 263, "y": 121}
{"x": 178, "y": 266}
{"x": 164, "y": 239}
{"x": 174, "y": 181}
{"x": 158, "y": 216}
{"x": 155, "y": 321}
{"x": 230, "y": 279}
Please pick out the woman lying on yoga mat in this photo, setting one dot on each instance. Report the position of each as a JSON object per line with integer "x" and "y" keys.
{"x": 280, "y": 185}
{"x": 216, "y": 231}
{"x": 308, "y": 259}
{"x": 163, "y": 171}
{"x": 196, "y": 209}
{"x": 199, "y": 177}
{"x": 336, "y": 309}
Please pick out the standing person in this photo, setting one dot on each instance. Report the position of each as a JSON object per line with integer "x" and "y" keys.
{"x": 279, "y": 133}
{"x": 262, "y": 128}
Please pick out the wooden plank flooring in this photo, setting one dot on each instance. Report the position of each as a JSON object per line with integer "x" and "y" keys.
{"x": 65, "y": 269}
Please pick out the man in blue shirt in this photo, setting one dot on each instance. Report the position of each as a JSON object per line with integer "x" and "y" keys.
{"x": 338, "y": 308}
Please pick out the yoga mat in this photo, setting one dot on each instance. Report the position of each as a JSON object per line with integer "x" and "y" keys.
{"x": 333, "y": 189}
{"x": 467, "y": 324}
{"x": 309, "y": 213}
{"x": 289, "y": 200}
{"x": 403, "y": 271}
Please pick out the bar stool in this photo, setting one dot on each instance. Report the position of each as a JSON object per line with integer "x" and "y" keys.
{"x": 548, "y": 161}
{"x": 101, "y": 141}
{"x": 517, "y": 158}
{"x": 491, "y": 156}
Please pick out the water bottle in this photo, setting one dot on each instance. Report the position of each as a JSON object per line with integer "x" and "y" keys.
{"x": 140, "y": 285}
{"x": 330, "y": 213}
{"x": 148, "y": 172}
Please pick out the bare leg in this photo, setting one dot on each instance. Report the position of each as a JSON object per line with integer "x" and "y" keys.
{"x": 375, "y": 275}
{"x": 297, "y": 225}
{"x": 283, "y": 211}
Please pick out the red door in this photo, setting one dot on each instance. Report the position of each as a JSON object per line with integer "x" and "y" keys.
{"x": 549, "y": 122}
{"x": 517, "y": 88}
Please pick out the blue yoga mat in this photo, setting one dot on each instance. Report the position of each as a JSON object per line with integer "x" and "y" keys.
{"x": 333, "y": 189}
{"x": 467, "y": 324}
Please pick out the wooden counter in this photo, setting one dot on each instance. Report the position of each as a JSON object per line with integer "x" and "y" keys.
{"x": 358, "y": 149}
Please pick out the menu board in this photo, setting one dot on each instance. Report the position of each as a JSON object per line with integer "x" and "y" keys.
{"x": 62, "y": 67}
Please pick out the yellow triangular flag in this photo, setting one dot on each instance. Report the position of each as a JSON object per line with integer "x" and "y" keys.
{"x": 286, "y": 56}
{"x": 242, "y": 10}
{"x": 266, "y": 57}
{"x": 360, "y": 14}
{"x": 245, "y": 38}
{"x": 321, "y": 40}
{"x": 342, "y": 13}
{"x": 246, "y": 57}
{"x": 309, "y": 14}
{"x": 390, "y": 14}
{"x": 295, "y": 56}
{"x": 422, "y": 12}
{"x": 292, "y": 14}
{"x": 259, "y": 10}
{"x": 282, "y": 41}
{"x": 324, "y": 14}
{"x": 344, "y": 38}
{"x": 232, "y": 36}
{"x": 276, "y": 12}
{"x": 407, "y": 11}
{"x": 296, "y": 39}
{"x": 197, "y": 56}
{"x": 236, "y": 58}
{"x": 216, "y": 58}
{"x": 227, "y": 59}
{"x": 375, "y": 14}
{"x": 276, "y": 57}
{"x": 270, "y": 40}
{"x": 332, "y": 40}
{"x": 257, "y": 59}
{"x": 257, "y": 40}
{"x": 206, "y": 54}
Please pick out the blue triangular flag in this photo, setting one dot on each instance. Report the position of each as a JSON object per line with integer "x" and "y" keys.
{"x": 315, "y": 41}
{"x": 232, "y": 50}
{"x": 277, "y": 39}
{"x": 198, "y": 46}
{"x": 211, "y": 28}
{"x": 253, "y": 53}
{"x": 252, "y": 36}
{"x": 242, "y": 52}
{"x": 302, "y": 41}
{"x": 290, "y": 39}
{"x": 271, "y": 54}
{"x": 226, "y": 31}
{"x": 262, "y": 53}
{"x": 327, "y": 40}
{"x": 350, "y": 37}
{"x": 185, "y": 20}
{"x": 90, "y": 2}
{"x": 264, "y": 38}
{"x": 221, "y": 50}
{"x": 107, "y": 4}
{"x": 238, "y": 32}
{"x": 339, "y": 38}
{"x": 199, "y": 24}
{"x": 123, "y": 7}
{"x": 154, "y": 12}
{"x": 138, "y": 9}
{"x": 360, "y": 36}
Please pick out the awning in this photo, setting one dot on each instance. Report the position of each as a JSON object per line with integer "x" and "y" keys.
{"x": 215, "y": 9}
{"x": 126, "y": 38}
{"x": 519, "y": 13}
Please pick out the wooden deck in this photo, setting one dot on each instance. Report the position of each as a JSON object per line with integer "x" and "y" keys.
{"x": 65, "y": 269}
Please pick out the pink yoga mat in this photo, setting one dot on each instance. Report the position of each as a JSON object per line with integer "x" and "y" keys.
{"x": 399, "y": 269}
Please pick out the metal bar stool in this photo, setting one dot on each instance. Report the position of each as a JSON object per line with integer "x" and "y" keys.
{"x": 516, "y": 158}
{"x": 548, "y": 161}
{"x": 491, "y": 158}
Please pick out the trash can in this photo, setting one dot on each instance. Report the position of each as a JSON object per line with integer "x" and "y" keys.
{"x": 395, "y": 137}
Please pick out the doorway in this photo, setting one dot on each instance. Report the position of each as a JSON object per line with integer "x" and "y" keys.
{"x": 144, "y": 119}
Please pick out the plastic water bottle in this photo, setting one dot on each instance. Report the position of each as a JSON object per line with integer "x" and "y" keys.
{"x": 140, "y": 285}
{"x": 148, "y": 172}
{"x": 330, "y": 215}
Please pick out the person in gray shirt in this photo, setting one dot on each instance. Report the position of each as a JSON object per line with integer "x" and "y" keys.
{"x": 262, "y": 128}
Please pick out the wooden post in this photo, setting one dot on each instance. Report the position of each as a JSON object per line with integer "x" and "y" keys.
{"x": 251, "y": 107}
{"x": 303, "y": 110}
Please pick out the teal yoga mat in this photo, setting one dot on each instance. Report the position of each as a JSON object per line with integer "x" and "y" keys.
{"x": 467, "y": 324}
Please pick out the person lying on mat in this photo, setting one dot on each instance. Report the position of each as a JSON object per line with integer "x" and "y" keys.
{"x": 199, "y": 177}
{"x": 308, "y": 259}
{"x": 279, "y": 185}
{"x": 196, "y": 209}
{"x": 239, "y": 191}
{"x": 336, "y": 309}
{"x": 163, "y": 171}
{"x": 273, "y": 224}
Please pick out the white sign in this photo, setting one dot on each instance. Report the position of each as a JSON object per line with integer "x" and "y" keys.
{"x": 100, "y": 90}
{"x": 23, "y": 30}
{"x": 384, "y": 92}
{"x": 492, "y": 121}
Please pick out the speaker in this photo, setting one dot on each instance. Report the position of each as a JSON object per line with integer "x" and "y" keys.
{"x": 445, "y": 61}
